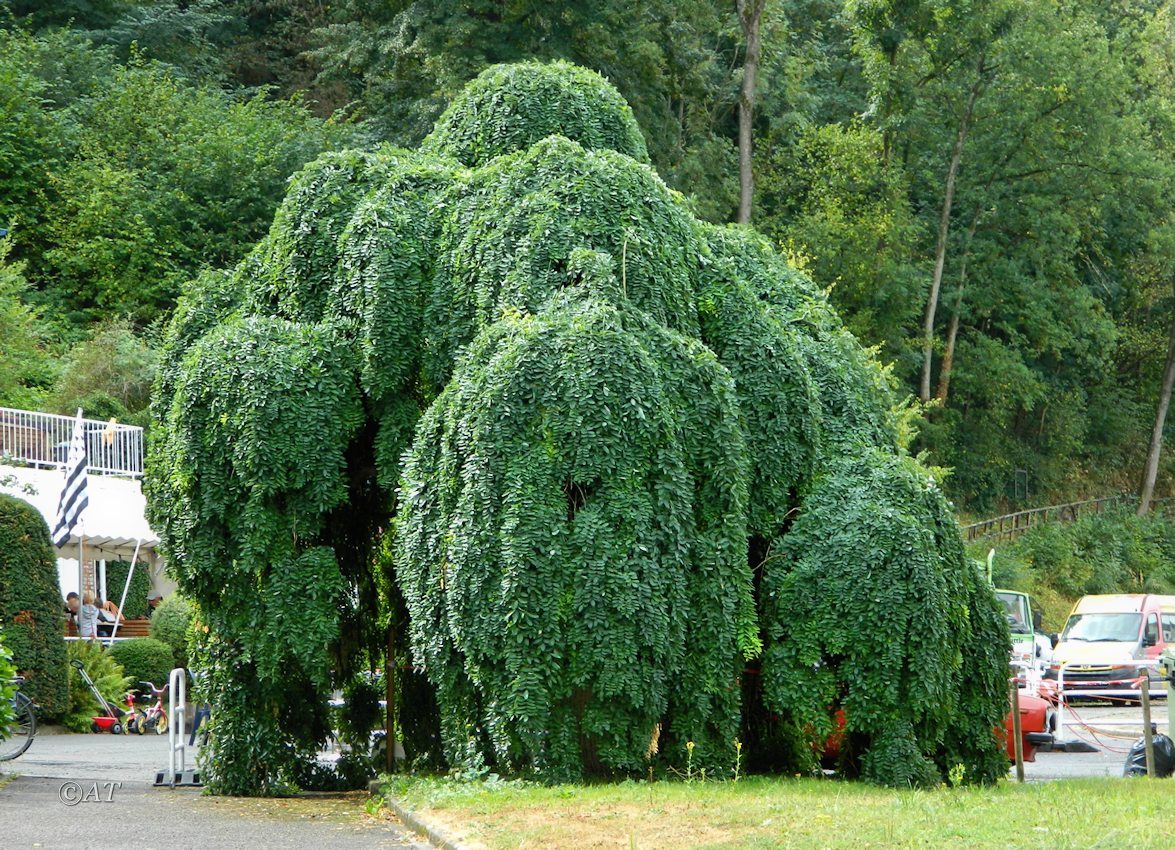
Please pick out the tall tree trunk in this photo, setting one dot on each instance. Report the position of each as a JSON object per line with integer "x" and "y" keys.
{"x": 948, "y": 357}
{"x": 944, "y": 226}
{"x": 750, "y": 15}
{"x": 1152, "y": 456}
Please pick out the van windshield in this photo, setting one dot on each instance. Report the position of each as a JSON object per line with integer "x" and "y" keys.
{"x": 1103, "y": 627}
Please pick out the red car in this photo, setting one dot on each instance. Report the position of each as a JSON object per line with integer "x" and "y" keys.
{"x": 1037, "y": 722}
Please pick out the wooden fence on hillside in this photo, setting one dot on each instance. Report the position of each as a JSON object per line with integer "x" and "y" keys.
{"x": 1011, "y": 526}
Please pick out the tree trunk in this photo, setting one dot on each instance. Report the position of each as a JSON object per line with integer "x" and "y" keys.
{"x": 1152, "y": 456}
{"x": 750, "y": 15}
{"x": 944, "y": 226}
{"x": 948, "y": 357}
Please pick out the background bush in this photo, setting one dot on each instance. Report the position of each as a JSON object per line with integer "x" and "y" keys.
{"x": 136, "y": 596}
{"x": 144, "y": 660}
{"x": 1112, "y": 552}
{"x": 31, "y": 606}
{"x": 107, "y": 675}
{"x": 170, "y": 624}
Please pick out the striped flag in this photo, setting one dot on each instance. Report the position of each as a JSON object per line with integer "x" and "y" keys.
{"x": 73, "y": 495}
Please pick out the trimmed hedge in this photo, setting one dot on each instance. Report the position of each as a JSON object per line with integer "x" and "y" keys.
{"x": 31, "y": 606}
{"x": 144, "y": 660}
{"x": 136, "y": 597}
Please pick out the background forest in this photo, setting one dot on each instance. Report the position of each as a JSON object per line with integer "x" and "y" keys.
{"x": 986, "y": 187}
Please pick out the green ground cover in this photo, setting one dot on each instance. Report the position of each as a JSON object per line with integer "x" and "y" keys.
{"x": 761, "y": 812}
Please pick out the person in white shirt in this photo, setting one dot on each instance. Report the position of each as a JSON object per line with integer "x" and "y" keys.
{"x": 88, "y": 617}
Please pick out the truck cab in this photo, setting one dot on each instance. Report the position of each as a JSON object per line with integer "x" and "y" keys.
{"x": 1031, "y": 648}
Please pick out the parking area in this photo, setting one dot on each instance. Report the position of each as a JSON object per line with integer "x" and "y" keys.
{"x": 75, "y": 792}
{"x": 1096, "y": 725}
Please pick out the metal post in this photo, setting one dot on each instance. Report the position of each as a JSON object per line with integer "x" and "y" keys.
{"x": 1147, "y": 732}
{"x": 1060, "y": 733}
{"x": 126, "y": 588}
{"x": 177, "y": 717}
{"x": 390, "y": 698}
{"x": 1018, "y": 741}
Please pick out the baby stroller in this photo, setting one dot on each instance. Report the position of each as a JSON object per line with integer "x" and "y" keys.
{"x": 110, "y": 720}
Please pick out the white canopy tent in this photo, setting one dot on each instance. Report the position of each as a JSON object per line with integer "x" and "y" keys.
{"x": 114, "y": 524}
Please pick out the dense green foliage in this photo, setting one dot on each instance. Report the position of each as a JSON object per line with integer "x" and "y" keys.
{"x": 136, "y": 596}
{"x": 1112, "y": 552}
{"x": 143, "y": 660}
{"x": 171, "y": 623}
{"x": 7, "y": 688}
{"x": 141, "y": 140}
{"x": 509, "y": 108}
{"x": 620, "y": 412}
{"x": 107, "y": 675}
{"x": 31, "y": 607}
{"x": 121, "y": 177}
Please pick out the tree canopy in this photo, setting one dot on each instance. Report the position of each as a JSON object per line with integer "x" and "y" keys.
{"x": 602, "y": 438}
{"x": 984, "y": 188}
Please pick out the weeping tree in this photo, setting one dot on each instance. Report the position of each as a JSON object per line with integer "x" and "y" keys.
{"x": 596, "y": 461}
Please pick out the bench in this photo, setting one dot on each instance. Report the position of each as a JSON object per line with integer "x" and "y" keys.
{"x": 137, "y": 628}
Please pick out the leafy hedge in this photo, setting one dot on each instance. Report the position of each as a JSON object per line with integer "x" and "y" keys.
{"x": 7, "y": 689}
{"x": 31, "y": 605}
{"x": 143, "y": 660}
{"x": 136, "y": 597}
{"x": 634, "y": 454}
{"x": 171, "y": 623}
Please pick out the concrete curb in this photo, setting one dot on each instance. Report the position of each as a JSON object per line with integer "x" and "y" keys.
{"x": 436, "y": 836}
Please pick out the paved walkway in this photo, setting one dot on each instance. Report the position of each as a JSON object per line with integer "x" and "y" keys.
{"x": 75, "y": 792}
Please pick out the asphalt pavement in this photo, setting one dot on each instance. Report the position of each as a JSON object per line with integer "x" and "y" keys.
{"x": 1097, "y": 725}
{"x": 75, "y": 792}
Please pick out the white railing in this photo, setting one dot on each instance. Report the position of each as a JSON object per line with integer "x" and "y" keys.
{"x": 42, "y": 440}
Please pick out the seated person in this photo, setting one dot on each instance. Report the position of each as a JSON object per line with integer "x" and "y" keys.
{"x": 108, "y": 615}
{"x": 73, "y": 604}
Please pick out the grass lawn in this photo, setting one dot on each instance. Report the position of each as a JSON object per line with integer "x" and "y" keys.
{"x": 762, "y": 812}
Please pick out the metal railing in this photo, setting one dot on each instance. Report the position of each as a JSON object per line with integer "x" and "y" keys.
{"x": 1010, "y": 526}
{"x": 41, "y": 440}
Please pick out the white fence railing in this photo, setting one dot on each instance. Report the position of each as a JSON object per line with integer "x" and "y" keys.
{"x": 42, "y": 440}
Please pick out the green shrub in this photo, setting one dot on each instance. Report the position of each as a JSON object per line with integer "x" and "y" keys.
{"x": 107, "y": 675}
{"x": 136, "y": 596}
{"x": 7, "y": 689}
{"x": 144, "y": 660}
{"x": 31, "y": 606}
{"x": 170, "y": 624}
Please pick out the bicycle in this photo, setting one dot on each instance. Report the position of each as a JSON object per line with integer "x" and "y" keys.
{"x": 135, "y": 717}
{"x": 156, "y": 715}
{"x": 24, "y": 725}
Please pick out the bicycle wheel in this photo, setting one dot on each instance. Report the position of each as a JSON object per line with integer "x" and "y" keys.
{"x": 161, "y": 723}
{"x": 24, "y": 727}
